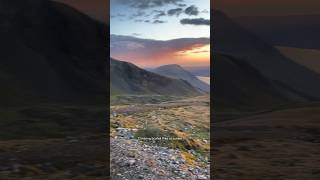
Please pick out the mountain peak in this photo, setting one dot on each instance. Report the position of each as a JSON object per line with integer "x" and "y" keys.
{"x": 174, "y": 66}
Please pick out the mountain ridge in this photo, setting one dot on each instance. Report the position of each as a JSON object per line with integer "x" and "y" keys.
{"x": 127, "y": 78}
{"x": 178, "y": 72}
{"x": 60, "y": 51}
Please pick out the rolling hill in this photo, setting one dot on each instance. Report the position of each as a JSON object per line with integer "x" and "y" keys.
{"x": 177, "y": 72}
{"x": 126, "y": 78}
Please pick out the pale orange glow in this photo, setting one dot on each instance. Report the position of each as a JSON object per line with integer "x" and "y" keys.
{"x": 196, "y": 55}
{"x": 197, "y": 52}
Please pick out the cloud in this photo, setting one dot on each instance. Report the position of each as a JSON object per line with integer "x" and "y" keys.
{"x": 182, "y": 5}
{"x": 155, "y": 52}
{"x": 158, "y": 21}
{"x": 191, "y": 11}
{"x": 176, "y": 12}
{"x": 137, "y": 14}
{"x": 197, "y": 52}
{"x": 128, "y": 45}
{"x": 119, "y": 44}
{"x": 136, "y": 34}
{"x": 145, "y": 4}
{"x": 152, "y": 22}
{"x": 138, "y": 20}
{"x": 158, "y": 14}
{"x": 196, "y": 21}
{"x": 205, "y": 11}
{"x": 117, "y": 15}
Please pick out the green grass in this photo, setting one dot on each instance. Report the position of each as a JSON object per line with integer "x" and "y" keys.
{"x": 140, "y": 99}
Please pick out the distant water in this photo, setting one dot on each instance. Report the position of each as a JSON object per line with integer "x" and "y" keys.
{"x": 204, "y": 79}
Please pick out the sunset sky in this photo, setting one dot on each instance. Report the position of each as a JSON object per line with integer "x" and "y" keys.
{"x": 157, "y": 32}
{"x": 148, "y": 53}
{"x": 152, "y": 23}
{"x": 99, "y": 8}
{"x": 156, "y": 21}
{"x": 151, "y": 33}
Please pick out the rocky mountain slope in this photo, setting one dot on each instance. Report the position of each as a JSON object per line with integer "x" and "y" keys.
{"x": 177, "y": 72}
{"x": 134, "y": 160}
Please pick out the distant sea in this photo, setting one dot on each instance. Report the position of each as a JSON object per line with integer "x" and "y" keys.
{"x": 204, "y": 79}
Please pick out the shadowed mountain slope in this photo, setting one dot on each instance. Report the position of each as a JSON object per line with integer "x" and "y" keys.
{"x": 126, "y": 78}
{"x": 306, "y": 57}
{"x": 238, "y": 84}
{"x": 177, "y": 72}
{"x": 235, "y": 41}
{"x": 50, "y": 52}
{"x": 300, "y": 31}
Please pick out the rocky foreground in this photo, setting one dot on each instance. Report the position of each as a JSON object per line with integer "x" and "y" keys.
{"x": 132, "y": 159}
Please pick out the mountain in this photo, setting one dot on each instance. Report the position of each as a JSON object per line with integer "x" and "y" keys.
{"x": 306, "y": 57}
{"x": 50, "y": 52}
{"x": 126, "y": 78}
{"x": 53, "y": 90}
{"x": 233, "y": 40}
{"x": 239, "y": 84}
{"x": 177, "y": 72}
{"x": 300, "y": 31}
{"x": 199, "y": 71}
